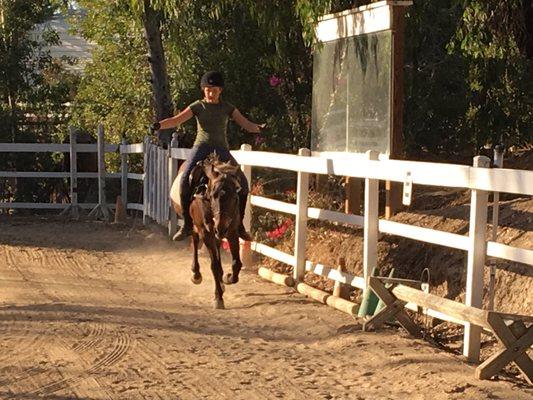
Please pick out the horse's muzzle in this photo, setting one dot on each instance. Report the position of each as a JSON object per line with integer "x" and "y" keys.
{"x": 221, "y": 227}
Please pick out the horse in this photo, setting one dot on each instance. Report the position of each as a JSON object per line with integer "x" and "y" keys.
{"x": 215, "y": 214}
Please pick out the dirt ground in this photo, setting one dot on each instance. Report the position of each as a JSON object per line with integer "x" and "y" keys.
{"x": 98, "y": 311}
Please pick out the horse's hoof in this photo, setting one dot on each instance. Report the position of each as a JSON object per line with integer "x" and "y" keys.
{"x": 228, "y": 279}
{"x": 196, "y": 280}
{"x": 219, "y": 305}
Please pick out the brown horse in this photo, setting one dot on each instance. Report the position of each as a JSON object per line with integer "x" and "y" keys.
{"x": 215, "y": 215}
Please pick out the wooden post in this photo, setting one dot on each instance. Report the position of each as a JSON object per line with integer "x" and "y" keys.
{"x": 341, "y": 290}
{"x": 152, "y": 194}
{"x": 371, "y": 220}
{"x": 172, "y": 174}
{"x": 321, "y": 183}
{"x": 300, "y": 237}
{"x": 352, "y": 189}
{"x": 166, "y": 188}
{"x": 102, "y": 171}
{"x": 158, "y": 183}
{"x": 154, "y": 183}
{"x": 161, "y": 183}
{"x": 146, "y": 180}
{"x": 101, "y": 208}
{"x": 73, "y": 172}
{"x": 394, "y": 189}
{"x": 151, "y": 181}
{"x": 498, "y": 163}
{"x": 475, "y": 263}
{"x": 124, "y": 176}
{"x": 73, "y": 209}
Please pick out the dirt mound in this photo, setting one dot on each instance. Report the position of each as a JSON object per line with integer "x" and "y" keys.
{"x": 447, "y": 267}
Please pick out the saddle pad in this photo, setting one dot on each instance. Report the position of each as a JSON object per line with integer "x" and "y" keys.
{"x": 175, "y": 190}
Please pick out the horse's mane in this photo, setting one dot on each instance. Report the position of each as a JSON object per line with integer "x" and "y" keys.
{"x": 220, "y": 166}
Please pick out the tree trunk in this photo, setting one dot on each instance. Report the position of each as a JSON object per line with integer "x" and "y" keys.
{"x": 160, "y": 86}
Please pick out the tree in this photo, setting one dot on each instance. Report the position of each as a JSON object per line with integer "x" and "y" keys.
{"x": 492, "y": 36}
{"x": 252, "y": 42}
{"x": 20, "y": 58}
{"x": 115, "y": 87}
{"x": 34, "y": 90}
{"x": 160, "y": 83}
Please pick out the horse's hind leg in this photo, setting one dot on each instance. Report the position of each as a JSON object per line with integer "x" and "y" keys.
{"x": 196, "y": 277}
{"x": 216, "y": 268}
{"x": 236, "y": 263}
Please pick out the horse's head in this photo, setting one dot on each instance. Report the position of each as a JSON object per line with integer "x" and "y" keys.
{"x": 222, "y": 193}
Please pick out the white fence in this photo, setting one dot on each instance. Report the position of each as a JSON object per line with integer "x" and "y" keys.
{"x": 479, "y": 179}
{"x": 160, "y": 168}
{"x": 73, "y": 148}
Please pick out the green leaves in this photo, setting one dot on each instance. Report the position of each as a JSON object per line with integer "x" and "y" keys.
{"x": 490, "y": 37}
{"x": 465, "y": 77}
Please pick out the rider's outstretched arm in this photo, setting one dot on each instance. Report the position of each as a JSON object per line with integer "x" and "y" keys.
{"x": 246, "y": 124}
{"x": 176, "y": 120}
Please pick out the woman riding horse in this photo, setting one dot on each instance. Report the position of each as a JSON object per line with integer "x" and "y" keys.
{"x": 212, "y": 115}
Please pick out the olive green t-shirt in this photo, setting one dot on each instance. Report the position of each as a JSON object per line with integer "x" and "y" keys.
{"x": 211, "y": 122}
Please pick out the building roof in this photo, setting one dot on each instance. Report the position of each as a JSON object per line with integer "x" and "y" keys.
{"x": 71, "y": 45}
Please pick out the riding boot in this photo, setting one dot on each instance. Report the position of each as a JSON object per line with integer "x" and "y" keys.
{"x": 186, "y": 229}
{"x": 243, "y": 234}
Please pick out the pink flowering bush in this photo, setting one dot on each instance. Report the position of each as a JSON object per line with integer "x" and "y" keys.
{"x": 274, "y": 81}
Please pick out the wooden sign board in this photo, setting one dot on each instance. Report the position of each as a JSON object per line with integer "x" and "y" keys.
{"x": 358, "y": 83}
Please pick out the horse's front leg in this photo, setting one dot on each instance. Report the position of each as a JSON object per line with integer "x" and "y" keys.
{"x": 196, "y": 277}
{"x": 216, "y": 268}
{"x": 236, "y": 263}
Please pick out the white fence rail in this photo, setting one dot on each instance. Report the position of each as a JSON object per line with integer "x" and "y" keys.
{"x": 160, "y": 168}
{"x": 72, "y": 148}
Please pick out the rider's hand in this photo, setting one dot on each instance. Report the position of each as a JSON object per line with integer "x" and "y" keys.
{"x": 155, "y": 127}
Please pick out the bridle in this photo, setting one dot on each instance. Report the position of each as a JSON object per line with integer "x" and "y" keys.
{"x": 224, "y": 178}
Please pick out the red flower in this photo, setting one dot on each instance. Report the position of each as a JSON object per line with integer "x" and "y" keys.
{"x": 280, "y": 230}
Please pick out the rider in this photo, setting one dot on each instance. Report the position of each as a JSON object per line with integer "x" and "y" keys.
{"x": 212, "y": 114}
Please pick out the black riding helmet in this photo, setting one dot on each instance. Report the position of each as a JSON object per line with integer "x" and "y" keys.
{"x": 212, "y": 78}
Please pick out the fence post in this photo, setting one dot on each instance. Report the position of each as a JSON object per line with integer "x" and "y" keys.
{"x": 73, "y": 208}
{"x": 157, "y": 181}
{"x": 300, "y": 236}
{"x": 151, "y": 181}
{"x": 371, "y": 221}
{"x": 162, "y": 184}
{"x": 172, "y": 174}
{"x": 498, "y": 163}
{"x": 124, "y": 176}
{"x": 247, "y": 170}
{"x": 146, "y": 179}
{"x": 101, "y": 208}
{"x": 477, "y": 250}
